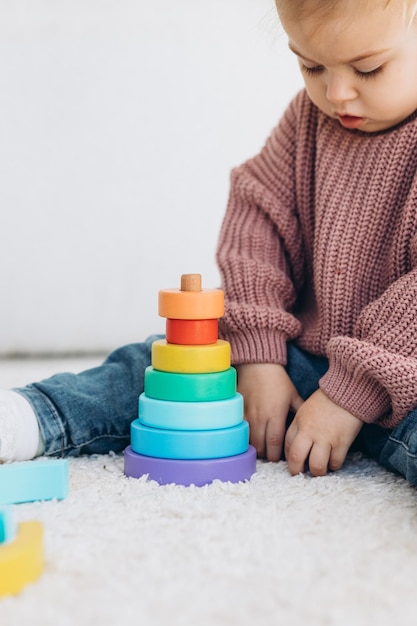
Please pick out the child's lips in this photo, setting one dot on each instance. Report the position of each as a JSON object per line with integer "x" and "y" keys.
{"x": 350, "y": 121}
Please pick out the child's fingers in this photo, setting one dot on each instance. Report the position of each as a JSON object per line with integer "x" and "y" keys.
{"x": 274, "y": 439}
{"x": 318, "y": 462}
{"x": 297, "y": 449}
{"x": 257, "y": 437}
{"x": 267, "y": 438}
{"x": 337, "y": 458}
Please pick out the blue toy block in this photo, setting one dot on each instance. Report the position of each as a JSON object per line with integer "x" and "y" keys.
{"x": 7, "y": 526}
{"x": 28, "y": 481}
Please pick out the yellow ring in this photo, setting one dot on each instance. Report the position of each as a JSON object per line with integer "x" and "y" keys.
{"x": 191, "y": 305}
{"x": 169, "y": 357}
{"x": 21, "y": 561}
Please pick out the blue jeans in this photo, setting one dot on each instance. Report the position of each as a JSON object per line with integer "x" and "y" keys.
{"x": 91, "y": 412}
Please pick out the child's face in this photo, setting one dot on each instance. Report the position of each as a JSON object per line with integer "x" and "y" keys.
{"x": 359, "y": 67}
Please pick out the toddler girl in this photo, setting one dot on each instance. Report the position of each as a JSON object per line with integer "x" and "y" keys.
{"x": 318, "y": 255}
{"x": 318, "y": 249}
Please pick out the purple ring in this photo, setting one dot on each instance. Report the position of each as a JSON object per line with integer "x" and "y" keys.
{"x": 198, "y": 472}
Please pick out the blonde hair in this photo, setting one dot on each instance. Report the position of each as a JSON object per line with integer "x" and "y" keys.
{"x": 300, "y": 9}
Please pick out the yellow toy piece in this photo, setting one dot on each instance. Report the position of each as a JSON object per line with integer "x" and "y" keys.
{"x": 191, "y": 302}
{"x": 169, "y": 357}
{"x": 21, "y": 560}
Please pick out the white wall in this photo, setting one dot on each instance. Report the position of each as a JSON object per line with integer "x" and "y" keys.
{"x": 119, "y": 123}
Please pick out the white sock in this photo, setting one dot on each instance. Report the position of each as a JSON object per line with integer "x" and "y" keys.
{"x": 20, "y": 438}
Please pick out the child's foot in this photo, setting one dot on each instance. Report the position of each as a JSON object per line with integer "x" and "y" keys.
{"x": 20, "y": 439}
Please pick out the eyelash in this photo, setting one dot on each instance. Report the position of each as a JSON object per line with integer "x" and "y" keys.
{"x": 314, "y": 71}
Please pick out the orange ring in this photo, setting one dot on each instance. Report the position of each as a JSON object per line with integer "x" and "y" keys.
{"x": 192, "y": 332}
{"x": 191, "y": 305}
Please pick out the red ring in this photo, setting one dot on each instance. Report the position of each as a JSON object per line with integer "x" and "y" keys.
{"x": 192, "y": 332}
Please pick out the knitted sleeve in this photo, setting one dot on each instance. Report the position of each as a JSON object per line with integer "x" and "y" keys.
{"x": 374, "y": 373}
{"x": 260, "y": 252}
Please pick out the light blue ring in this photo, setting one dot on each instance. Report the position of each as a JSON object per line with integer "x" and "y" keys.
{"x": 191, "y": 415}
{"x": 189, "y": 444}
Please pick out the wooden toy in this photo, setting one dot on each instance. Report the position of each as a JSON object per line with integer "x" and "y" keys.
{"x": 21, "y": 560}
{"x": 7, "y": 527}
{"x": 190, "y": 415}
{"x": 27, "y": 481}
{"x": 198, "y": 472}
{"x": 169, "y": 357}
{"x": 190, "y": 387}
{"x": 191, "y": 302}
{"x": 189, "y": 444}
{"x": 192, "y": 332}
{"x": 190, "y": 427}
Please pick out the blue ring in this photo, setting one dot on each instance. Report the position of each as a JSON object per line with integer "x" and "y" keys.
{"x": 191, "y": 415}
{"x": 189, "y": 444}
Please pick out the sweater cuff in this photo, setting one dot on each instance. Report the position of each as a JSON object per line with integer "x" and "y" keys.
{"x": 257, "y": 346}
{"x": 364, "y": 397}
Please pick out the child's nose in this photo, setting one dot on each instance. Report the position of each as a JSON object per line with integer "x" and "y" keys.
{"x": 340, "y": 89}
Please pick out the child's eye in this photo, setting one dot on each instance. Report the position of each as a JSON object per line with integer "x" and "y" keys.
{"x": 368, "y": 75}
{"x": 312, "y": 71}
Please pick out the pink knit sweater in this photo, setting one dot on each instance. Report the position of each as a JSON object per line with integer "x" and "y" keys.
{"x": 319, "y": 245}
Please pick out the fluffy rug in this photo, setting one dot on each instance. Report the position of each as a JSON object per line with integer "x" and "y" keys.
{"x": 335, "y": 550}
{"x": 278, "y": 549}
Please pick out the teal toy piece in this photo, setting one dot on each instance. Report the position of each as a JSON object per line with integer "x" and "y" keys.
{"x": 191, "y": 415}
{"x": 189, "y": 444}
{"x": 7, "y": 526}
{"x": 190, "y": 387}
{"x": 28, "y": 481}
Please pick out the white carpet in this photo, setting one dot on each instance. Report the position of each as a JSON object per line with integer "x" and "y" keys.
{"x": 277, "y": 550}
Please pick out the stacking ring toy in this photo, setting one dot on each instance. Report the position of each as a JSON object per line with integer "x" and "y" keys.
{"x": 233, "y": 469}
{"x": 191, "y": 415}
{"x": 190, "y": 387}
{"x": 189, "y": 444}
{"x": 169, "y": 357}
{"x": 21, "y": 561}
{"x": 192, "y": 332}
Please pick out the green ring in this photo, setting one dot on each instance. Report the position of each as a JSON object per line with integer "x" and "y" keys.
{"x": 190, "y": 387}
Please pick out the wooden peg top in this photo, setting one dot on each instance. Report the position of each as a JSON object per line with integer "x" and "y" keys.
{"x": 191, "y": 282}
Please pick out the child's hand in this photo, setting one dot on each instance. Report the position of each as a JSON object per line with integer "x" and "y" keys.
{"x": 322, "y": 433}
{"x": 269, "y": 395}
